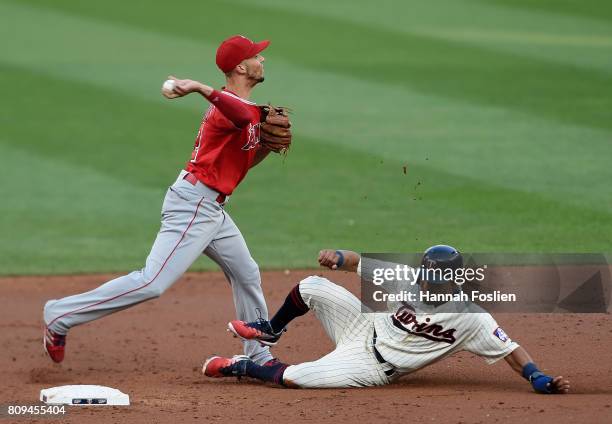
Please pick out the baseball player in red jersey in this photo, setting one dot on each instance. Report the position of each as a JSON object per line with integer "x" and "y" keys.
{"x": 193, "y": 217}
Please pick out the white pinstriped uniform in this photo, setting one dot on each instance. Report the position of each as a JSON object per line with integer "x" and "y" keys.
{"x": 414, "y": 341}
{"x": 352, "y": 363}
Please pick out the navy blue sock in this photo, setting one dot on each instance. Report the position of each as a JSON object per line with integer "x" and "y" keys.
{"x": 293, "y": 307}
{"x": 272, "y": 373}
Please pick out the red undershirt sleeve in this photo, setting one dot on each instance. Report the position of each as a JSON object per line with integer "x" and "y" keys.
{"x": 233, "y": 109}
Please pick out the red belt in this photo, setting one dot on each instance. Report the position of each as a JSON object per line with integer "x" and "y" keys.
{"x": 193, "y": 180}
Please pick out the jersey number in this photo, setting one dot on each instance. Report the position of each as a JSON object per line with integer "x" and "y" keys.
{"x": 196, "y": 148}
{"x": 200, "y": 136}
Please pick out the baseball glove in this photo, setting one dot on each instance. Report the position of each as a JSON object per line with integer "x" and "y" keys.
{"x": 275, "y": 128}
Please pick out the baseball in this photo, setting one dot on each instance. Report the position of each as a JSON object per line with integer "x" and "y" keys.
{"x": 168, "y": 86}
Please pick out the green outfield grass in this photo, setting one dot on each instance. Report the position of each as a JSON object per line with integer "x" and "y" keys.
{"x": 483, "y": 124}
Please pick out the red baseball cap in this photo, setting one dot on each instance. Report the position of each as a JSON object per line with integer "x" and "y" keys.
{"x": 235, "y": 49}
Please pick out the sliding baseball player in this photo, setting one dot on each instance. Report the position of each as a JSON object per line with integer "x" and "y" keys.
{"x": 374, "y": 349}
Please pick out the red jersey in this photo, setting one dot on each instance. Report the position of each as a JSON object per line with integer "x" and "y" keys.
{"x": 223, "y": 153}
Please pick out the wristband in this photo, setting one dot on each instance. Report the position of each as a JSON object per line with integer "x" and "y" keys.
{"x": 539, "y": 381}
{"x": 528, "y": 370}
{"x": 340, "y": 259}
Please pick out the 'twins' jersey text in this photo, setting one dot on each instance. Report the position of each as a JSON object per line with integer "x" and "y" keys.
{"x": 411, "y": 340}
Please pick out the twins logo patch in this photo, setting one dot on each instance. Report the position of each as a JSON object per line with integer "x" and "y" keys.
{"x": 501, "y": 335}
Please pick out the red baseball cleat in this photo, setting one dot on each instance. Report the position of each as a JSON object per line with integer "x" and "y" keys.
{"x": 54, "y": 344}
{"x": 218, "y": 366}
{"x": 259, "y": 330}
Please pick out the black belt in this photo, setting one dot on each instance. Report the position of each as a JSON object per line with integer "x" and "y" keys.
{"x": 380, "y": 358}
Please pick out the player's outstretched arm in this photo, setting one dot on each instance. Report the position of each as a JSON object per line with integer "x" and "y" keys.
{"x": 345, "y": 260}
{"x": 521, "y": 362}
{"x": 182, "y": 87}
{"x": 231, "y": 107}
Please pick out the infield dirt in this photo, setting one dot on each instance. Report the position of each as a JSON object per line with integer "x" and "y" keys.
{"x": 154, "y": 352}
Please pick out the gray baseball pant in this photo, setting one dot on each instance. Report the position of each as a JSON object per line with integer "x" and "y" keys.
{"x": 192, "y": 222}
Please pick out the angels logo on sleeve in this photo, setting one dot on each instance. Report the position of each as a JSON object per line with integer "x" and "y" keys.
{"x": 501, "y": 334}
{"x": 253, "y": 137}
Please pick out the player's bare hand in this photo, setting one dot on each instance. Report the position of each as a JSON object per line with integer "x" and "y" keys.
{"x": 169, "y": 94}
{"x": 167, "y": 89}
{"x": 329, "y": 258}
{"x": 560, "y": 385}
{"x": 182, "y": 87}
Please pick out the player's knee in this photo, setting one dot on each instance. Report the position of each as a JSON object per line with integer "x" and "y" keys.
{"x": 249, "y": 274}
{"x": 314, "y": 280}
{"x": 153, "y": 291}
{"x": 252, "y": 270}
{"x": 157, "y": 284}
